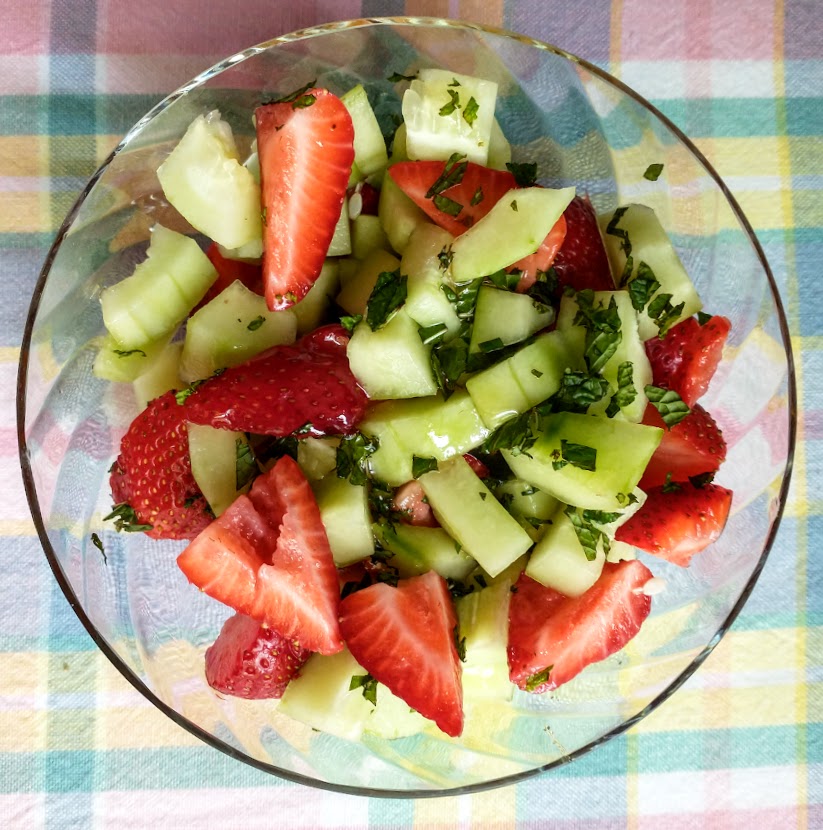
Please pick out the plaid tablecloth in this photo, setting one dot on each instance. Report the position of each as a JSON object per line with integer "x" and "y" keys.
{"x": 740, "y": 746}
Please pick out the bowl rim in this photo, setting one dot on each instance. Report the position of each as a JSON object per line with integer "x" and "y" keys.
{"x": 22, "y": 385}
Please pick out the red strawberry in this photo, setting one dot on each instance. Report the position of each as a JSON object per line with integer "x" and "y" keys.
{"x": 404, "y": 638}
{"x": 679, "y": 522}
{"x": 251, "y": 661}
{"x": 686, "y": 358}
{"x": 363, "y": 199}
{"x": 229, "y": 271}
{"x": 284, "y": 389}
{"x": 268, "y": 557}
{"x": 306, "y": 151}
{"x": 692, "y": 447}
{"x": 479, "y": 468}
{"x": 152, "y": 474}
{"x": 582, "y": 261}
{"x": 542, "y": 258}
{"x": 549, "y": 631}
{"x": 410, "y": 500}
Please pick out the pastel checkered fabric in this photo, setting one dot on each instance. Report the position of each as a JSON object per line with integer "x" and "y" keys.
{"x": 740, "y": 746}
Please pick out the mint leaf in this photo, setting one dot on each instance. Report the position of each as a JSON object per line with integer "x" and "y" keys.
{"x": 95, "y": 540}
{"x": 125, "y": 519}
{"x": 477, "y": 198}
{"x": 353, "y": 457}
{"x": 701, "y": 480}
{"x": 578, "y": 455}
{"x": 447, "y": 205}
{"x": 587, "y": 534}
{"x": 293, "y": 96}
{"x": 517, "y": 435}
{"x": 641, "y": 289}
{"x": 256, "y": 323}
{"x": 396, "y": 78}
{"x": 420, "y": 466}
{"x": 538, "y": 679}
{"x": 128, "y": 352}
{"x": 577, "y": 392}
{"x": 460, "y": 645}
{"x": 670, "y": 486}
{"x": 245, "y": 465}
{"x": 600, "y": 517}
{"x": 470, "y": 111}
{"x": 433, "y": 334}
{"x": 452, "y": 174}
{"x": 388, "y": 294}
{"x": 463, "y": 297}
{"x": 491, "y": 345}
{"x": 653, "y": 172}
{"x": 350, "y": 322}
{"x": 603, "y": 334}
{"x": 525, "y": 174}
{"x": 453, "y": 104}
{"x": 449, "y": 362}
{"x": 626, "y": 390}
{"x": 663, "y": 313}
{"x": 668, "y": 403}
{"x": 622, "y": 234}
{"x": 505, "y": 280}
{"x": 703, "y": 318}
{"x": 445, "y": 258}
{"x": 368, "y": 684}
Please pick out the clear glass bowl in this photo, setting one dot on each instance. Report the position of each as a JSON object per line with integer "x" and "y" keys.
{"x": 582, "y": 127}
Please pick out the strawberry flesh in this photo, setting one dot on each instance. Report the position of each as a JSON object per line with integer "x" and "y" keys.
{"x": 582, "y": 261}
{"x": 229, "y": 271}
{"x": 306, "y": 150}
{"x": 410, "y": 502}
{"x": 404, "y": 638}
{"x": 251, "y": 661}
{"x": 550, "y": 631}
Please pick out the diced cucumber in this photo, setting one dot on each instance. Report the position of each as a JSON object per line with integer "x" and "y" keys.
{"x": 448, "y": 113}
{"x": 356, "y": 290}
{"x": 341, "y": 243}
{"x": 511, "y": 230}
{"x": 497, "y": 394}
{"x": 506, "y": 316}
{"x": 393, "y": 361}
{"x": 312, "y": 309}
{"x": 204, "y": 179}
{"x": 115, "y": 363}
{"x": 418, "y": 550}
{"x": 163, "y": 375}
{"x": 558, "y": 560}
{"x": 650, "y": 244}
{"x": 393, "y": 718}
{"x": 398, "y": 214}
{"x": 222, "y": 464}
{"x": 471, "y": 514}
{"x": 252, "y": 163}
{"x": 426, "y": 303}
{"x": 370, "y": 154}
{"x": 250, "y": 252}
{"x": 622, "y": 452}
{"x": 392, "y": 463}
{"x": 618, "y": 551}
{"x": 347, "y": 268}
{"x": 629, "y": 350}
{"x": 344, "y": 509}
{"x": 317, "y": 457}
{"x": 367, "y": 235}
{"x": 399, "y": 152}
{"x": 483, "y": 620}
{"x": 531, "y": 506}
{"x": 500, "y": 151}
{"x": 158, "y": 296}
{"x": 233, "y": 327}
{"x": 540, "y": 366}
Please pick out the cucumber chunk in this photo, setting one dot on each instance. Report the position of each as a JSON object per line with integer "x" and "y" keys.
{"x": 163, "y": 375}
{"x": 250, "y": 252}
{"x": 650, "y": 244}
{"x": 506, "y": 316}
{"x": 398, "y": 215}
{"x": 622, "y": 452}
{"x": 418, "y": 550}
{"x": 530, "y": 506}
{"x": 312, "y": 309}
{"x": 317, "y": 457}
{"x": 370, "y": 153}
{"x": 357, "y": 289}
{"x": 158, "y": 296}
{"x": 344, "y": 509}
{"x": 204, "y": 179}
{"x": 221, "y": 463}
{"x": 500, "y": 151}
{"x": 514, "y": 228}
{"x": 341, "y": 243}
{"x": 367, "y": 235}
{"x": 235, "y": 326}
{"x": 471, "y": 514}
{"x": 115, "y": 363}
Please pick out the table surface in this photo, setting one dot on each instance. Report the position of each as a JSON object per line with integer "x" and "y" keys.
{"x": 741, "y": 745}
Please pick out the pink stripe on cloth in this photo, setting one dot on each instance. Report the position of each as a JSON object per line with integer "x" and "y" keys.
{"x": 24, "y": 27}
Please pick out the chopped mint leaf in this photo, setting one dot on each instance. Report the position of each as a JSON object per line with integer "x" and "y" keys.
{"x": 303, "y": 101}
{"x": 433, "y": 334}
{"x": 482, "y": 496}
{"x": 587, "y": 534}
{"x": 626, "y": 274}
{"x": 381, "y": 501}
{"x": 353, "y": 455}
{"x": 470, "y": 111}
{"x": 350, "y": 322}
{"x": 477, "y": 198}
{"x": 491, "y": 345}
{"x": 463, "y": 297}
{"x": 396, "y": 78}
{"x": 454, "y": 82}
{"x": 513, "y": 205}
{"x": 449, "y": 361}
{"x": 602, "y": 324}
{"x": 703, "y": 318}
{"x": 544, "y": 288}
{"x": 445, "y": 258}
{"x": 539, "y": 678}
{"x": 642, "y": 287}
{"x": 306, "y": 429}
{"x": 125, "y": 519}
{"x": 183, "y": 394}
{"x": 505, "y": 280}
{"x": 293, "y": 96}
{"x": 537, "y": 373}
{"x": 128, "y": 352}
{"x": 626, "y": 499}
{"x": 621, "y": 233}
{"x": 447, "y": 205}
{"x": 271, "y": 447}
{"x": 350, "y": 587}
{"x": 600, "y": 517}
{"x": 458, "y": 589}
{"x": 460, "y": 645}
{"x": 663, "y": 313}
{"x": 534, "y": 522}
{"x": 578, "y": 455}
{"x": 701, "y": 480}
{"x": 668, "y": 403}
{"x": 480, "y": 580}
{"x": 670, "y": 486}
{"x": 368, "y": 684}
{"x": 422, "y": 465}
{"x": 653, "y": 172}
{"x": 452, "y": 174}
{"x": 525, "y": 174}
{"x": 245, "y": 467}
{"x": 577, "y": 392}
{"x": 453, "y": 104}
{"x": 95, "y": 540}
{"x": 517, "y": 435}
{"x": 256, "y": 323}
{"x": 388, "y": 294}
{"x": 626, "y": 390}
{"x": 529, "y": 491}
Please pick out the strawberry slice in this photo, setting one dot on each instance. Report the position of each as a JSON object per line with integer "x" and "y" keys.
{"x": 542, "y": 258}
{"x": 306, "y": 150}
{"x": 685, "y": 360}
{"x": 251, "y": 661}
{"x": 307, "y": 386}
{"x": 678, "y": 521}
{"x": 229, "y": 271}
{"x": 152, "y": 475}
{"x": 404, "y": 638}
{"x": 552, "y": 638}
{"x": 582, "y": 261}
{"x": 268, "y": 557}
{"x": 689, "y": 448}
{"x": 410, "y": 501}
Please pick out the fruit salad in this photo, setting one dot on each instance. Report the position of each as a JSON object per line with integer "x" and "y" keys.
{"x": 425, "y": 423}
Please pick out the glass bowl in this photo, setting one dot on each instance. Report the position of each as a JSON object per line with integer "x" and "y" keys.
{"x": 582, "y": 127}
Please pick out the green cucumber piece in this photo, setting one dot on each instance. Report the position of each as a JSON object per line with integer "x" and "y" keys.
{"x": 497, "y": 395}
{"x": 418, "y": 550}
{"x": 250, "y": 252}
{"x": 622, "y": 452}
{"x": 163, "y": 375}
{"x": 313, "y": 308}
{"x": 217, "y": 466}
{"x": 432, "y": 132}
{"x": 392, "y": 463}
{"x": 367, "y": 235}
{"x": 341, "y": 242}
{"x": 152, "y": 302}
{"x": 399, "y": 151}
{"x": 370, "y": 154}
{"x": 233, "y": 327}
{"x": 356, "y": 290}
{"x": 500, "y": 151}
{"x": 618, "y": 551}
{"x": 471, "y": 514}
{"x": 391, "y": 362}
{"x": 530, "y": 506}
{"x": 398, "y": 214}
{"x": 115, "y": 363}
{"x": 204, "y": 179}
{"x": 344, "y": 509}
{"x": 650, "y": 244}
{"x": 317, "y": 457}
{"x": 514, "y": 228}
{"x": 507, "y": 317}
{"x": 392, "y": 718}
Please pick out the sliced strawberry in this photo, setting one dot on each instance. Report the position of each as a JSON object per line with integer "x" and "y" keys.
{"x": 686, "y": 358}
{"x": 479, "y": 468}
{"x": 285, "y": 389}
{"x": 552, "y": 638}
{"x": 152, "y": 474}
{"x": 363, "y": 200}
{"x": 689, "y": 448}
{"x": 251, "y": 661}
{"x": 582, "y": 261}
{"x": 410, "y": 501}
{"x": 542, "y": 258}
{"x": 404, "y": 638}
{"x": 679, "y": 522}
{"x": 306, "y": 151}
{"x": 268, "y": 557}
{"x": 229, "y": 271}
